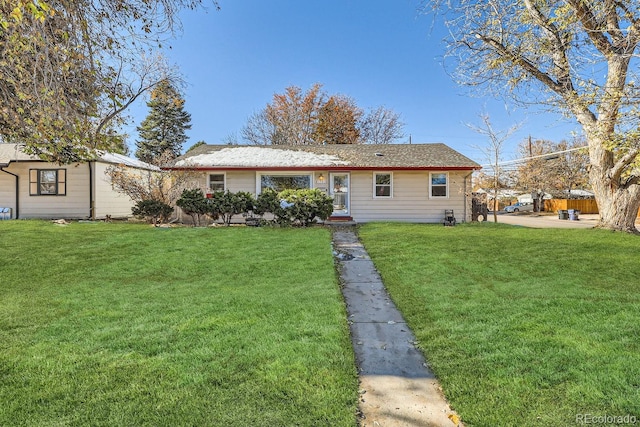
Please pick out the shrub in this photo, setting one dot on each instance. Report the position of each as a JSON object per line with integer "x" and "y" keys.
{"x": 266, "y": 202}
{"x": 295, "y": 207}
{"x": 307, "y": 206}
{"x": 227, "y": 204}
{"x": 194, "y": 204}
{"x": 152, "y": 210}
{"x": 289, "y": 207}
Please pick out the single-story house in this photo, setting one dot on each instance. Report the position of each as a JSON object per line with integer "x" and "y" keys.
{"x": 580, "y": 194}
{"x": 527, "y": 198}
{"x": 34, "y": 188}
{"x": 395, "y": 182}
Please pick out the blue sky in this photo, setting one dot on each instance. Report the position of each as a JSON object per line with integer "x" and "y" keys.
{"x": 379, "y": 52}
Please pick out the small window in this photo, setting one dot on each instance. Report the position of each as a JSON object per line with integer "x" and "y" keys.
{"x": 216, "y": 182}
{"x": 47, "y": 182}
{"x": 382, "y": 185}
{"x": 438, "y": 185}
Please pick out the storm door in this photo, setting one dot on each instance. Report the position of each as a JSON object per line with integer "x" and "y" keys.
{"x": 339, "y": 189}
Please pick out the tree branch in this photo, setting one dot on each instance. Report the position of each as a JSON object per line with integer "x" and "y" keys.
{"x": 594, "y": 30}
{"x": 616, "y": 171}
{"x": 559, "y": 50}
{"x": 634, "y": 29}
{"x": 632, "y": 180}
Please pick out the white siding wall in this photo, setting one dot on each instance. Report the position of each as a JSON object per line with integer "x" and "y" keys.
{"x": 74, "y": 205}
{"x": 234, "y": 180}
{"x": 8, "y": 192}
{"x": 410, "y": 201}
{"x": 241, "y": 181}
{"x": 107, "y": 200}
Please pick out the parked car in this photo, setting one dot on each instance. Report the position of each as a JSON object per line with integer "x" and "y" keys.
{"x": 519, "y": 207}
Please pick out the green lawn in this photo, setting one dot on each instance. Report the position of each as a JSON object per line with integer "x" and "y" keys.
{"x": 523, "y": 327}
{"x": 117, "y": 324}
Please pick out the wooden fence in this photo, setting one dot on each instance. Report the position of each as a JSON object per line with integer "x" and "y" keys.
{"x": 585, "y": 206}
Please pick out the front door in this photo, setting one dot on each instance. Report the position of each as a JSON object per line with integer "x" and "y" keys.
{"x": 339, "y": 189}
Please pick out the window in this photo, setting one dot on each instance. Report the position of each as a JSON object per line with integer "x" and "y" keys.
{"x": 285, "y": 182}
{"x": 47, "y": 182}
{"x": 216, "y": 182}
{"x": 438, "y": 185}
{"x": 382, "y": 185}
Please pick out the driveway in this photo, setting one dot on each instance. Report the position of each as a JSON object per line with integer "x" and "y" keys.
{"x": 536, "y": 220}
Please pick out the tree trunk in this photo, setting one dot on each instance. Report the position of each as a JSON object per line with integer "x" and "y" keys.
{"x": 617, "y": 204}
{"x": 618, "y": 207}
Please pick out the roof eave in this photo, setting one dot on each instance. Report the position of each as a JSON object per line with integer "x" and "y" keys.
{"x": 318, "y": 168}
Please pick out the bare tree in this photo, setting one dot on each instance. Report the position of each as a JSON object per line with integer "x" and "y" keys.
{"x": 150, "y": 184}
{"x": 493, "y": 151}
{"x": 578, "y": 57}
{"x": 231, "y": 139}
{"x": 539, "y": 174}
{"x": 259, "y": 130}
{"x": 574, "y": 165}
{"x": 381, "y": 126}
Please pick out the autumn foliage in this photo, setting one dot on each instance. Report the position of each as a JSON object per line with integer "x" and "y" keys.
{"x": 313, "y": 117}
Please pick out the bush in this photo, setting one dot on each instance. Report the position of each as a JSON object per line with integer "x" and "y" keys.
{"x": 307, "y": 206}
{"x": 289, "y": 207}
{"x": 227, "y": 204}
{"x": 194, "y": 204}
{"x": 152, "y": 210}
{"x": 295, "y": 207}
{"x": 266, "y": 202}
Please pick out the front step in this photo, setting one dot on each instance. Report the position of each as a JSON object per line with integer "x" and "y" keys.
{"x": 339, "y": 220}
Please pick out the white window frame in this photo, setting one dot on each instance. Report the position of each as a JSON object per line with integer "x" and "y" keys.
{"x": 224, "y": 181}
{"x": 259, "y": 176}
{"x": 446, "y": 185}
{"x": 375, "y": 185}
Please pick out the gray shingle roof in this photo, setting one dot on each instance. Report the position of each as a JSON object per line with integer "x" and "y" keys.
{"x": 13, "y": 153}
{"x": 401, "y": 156}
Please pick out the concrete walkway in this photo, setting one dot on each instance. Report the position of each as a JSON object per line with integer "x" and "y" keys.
{"x": 396, "y": 387}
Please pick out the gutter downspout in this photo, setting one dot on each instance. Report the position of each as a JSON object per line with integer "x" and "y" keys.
{"x": 17, "y": 188}
{"x": 92, "y": 207}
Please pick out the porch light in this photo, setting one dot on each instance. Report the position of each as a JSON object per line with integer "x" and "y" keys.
{"x": 320, "y": 179}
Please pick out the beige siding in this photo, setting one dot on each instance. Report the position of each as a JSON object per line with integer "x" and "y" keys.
{"x": 107, "y": 200}
{"x": 241, "y": 181}
{"x": 410, "y": 201}
{"x": 234, "y": 181}
{"x": 75, "y": 204}
{"x": 8, "y": 192}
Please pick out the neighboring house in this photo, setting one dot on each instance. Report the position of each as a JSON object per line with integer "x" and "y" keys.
{"x": 580, "y": 194}
{"x": 527, "y": 198}
{"x": 395, "y": 182}
{"x": 34, "y": 188}
{"x": 503, "y": 193}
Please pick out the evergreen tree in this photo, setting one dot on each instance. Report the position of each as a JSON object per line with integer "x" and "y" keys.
{"x": 163, "y": 130}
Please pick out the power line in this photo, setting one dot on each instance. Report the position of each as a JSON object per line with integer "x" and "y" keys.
{"x": 547, "y": 156}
